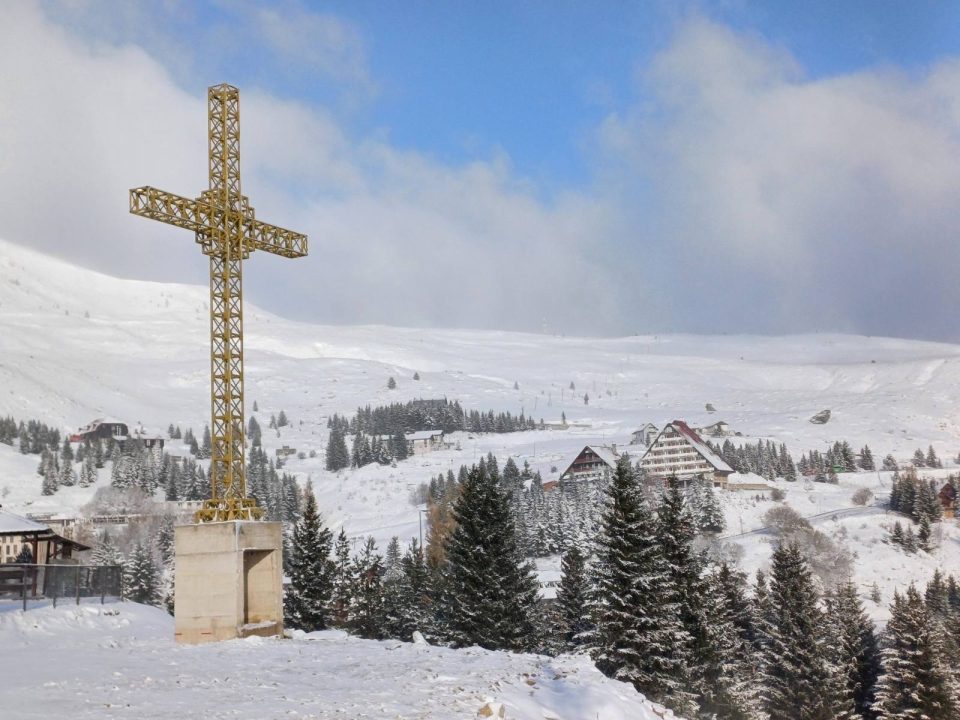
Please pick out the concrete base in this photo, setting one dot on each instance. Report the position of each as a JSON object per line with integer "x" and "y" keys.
{"x": 229, "y": 578}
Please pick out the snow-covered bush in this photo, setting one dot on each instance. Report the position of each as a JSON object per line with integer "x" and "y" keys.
{"x": 861, "y": 496}
{"x": 784, "y": 519}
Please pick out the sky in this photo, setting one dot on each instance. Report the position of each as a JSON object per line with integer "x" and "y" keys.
{"x": 604, "y": 168}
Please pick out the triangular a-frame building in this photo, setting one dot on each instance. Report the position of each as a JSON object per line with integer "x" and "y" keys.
{"x": 679, "y": 452}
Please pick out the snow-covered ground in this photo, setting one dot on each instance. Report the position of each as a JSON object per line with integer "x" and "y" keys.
{"x": 119, "y": 661}
{"x": 76, "y": 345}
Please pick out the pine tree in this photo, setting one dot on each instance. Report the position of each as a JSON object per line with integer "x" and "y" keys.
{"x": 635, "y": 608}
{"x": 854, "y": 651}
{"x": 926, "y": 504}
{"x": 282, "y": 419}
{"x": 342, "y": 592}
{"x": 51, "y": 476}
{"x": 88, "y": 473}
{"x": 337, "y": 457}
{"x": 691, "y": 641}
{"x": 141, "y": 578}
{"x": 391, "y": 559}
{"x": 866, "y": 459}
{"x": 573, "y": 597}
{"x": 909, "y": 540}
{"x": 490, "y": 592}
{"x": 409, "y": 609}
{"x": 729, "y": 685}
{"x": 391, "y": 383}
{"x": 795, "y": 668}
{"x": 365, "y": 616}
{"x": 164, "y": 540}
{"x": 915, "y": 681}
{"x": 711, "y": 517}
{"x": 932, "y": 460}
{"x": 306, "y": 602}
{"x": 206, "y": 447}
{"x": 919, "y": 459}
{"x": 924, "y": 533}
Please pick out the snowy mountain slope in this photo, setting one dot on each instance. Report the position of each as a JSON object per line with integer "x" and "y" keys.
{"x": 141, "y": 355}
{"x": 119, "y": 661}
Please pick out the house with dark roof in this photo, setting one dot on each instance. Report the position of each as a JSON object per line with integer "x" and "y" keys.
{"x": 678, "y": 451}
{"x": 593, "y": 462}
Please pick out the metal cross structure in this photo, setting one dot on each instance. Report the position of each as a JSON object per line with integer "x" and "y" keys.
{"x": 227, "y": 233}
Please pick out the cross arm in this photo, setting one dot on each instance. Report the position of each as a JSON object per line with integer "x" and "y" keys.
{"x": 149, "y": 202}
{"x": 276, "y": 240}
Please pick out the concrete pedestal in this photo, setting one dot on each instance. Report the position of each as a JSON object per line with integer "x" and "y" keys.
{"x": 229, "y": 578}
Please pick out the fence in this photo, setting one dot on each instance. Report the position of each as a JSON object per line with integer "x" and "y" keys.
{"x": 60, "y": 582}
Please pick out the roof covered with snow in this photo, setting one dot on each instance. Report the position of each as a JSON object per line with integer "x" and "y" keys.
{"x": 605, "y": 453}
{"x": 11, "y": 524}
{"x": 697, "y": 443}
{"x": 423, "y": 434}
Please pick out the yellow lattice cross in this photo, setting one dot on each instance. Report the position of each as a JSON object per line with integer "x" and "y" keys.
{"x": 227, "y": 232}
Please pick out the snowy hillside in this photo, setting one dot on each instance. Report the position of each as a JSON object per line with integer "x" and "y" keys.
{"x": 120, "y": 661}
{"x": 76, "y": 345}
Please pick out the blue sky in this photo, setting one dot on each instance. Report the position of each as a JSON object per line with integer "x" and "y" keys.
{"x": 635, "y": 163}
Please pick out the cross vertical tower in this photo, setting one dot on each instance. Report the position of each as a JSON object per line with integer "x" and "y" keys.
{"x": 227, "y": 232}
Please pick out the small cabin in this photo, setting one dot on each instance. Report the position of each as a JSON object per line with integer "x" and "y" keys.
{"x": 424, "y": 441}
{"x": 645, "y": 435}
{"x": 717, "y": 429}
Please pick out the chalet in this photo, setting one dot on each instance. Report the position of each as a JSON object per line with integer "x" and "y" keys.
{"x": 717, "y": 429}
{"x": 591, "y": 464}
{"x": 424, "y": 441}
{"x": 679, "y": 452}
{"x": 948, "y": 500}
{"x": 285, "y": 451}
{"x": 45, "y": 545}
{"x": 149, "y": 440}
{"x": 101, "y": 429}
{"x": 645, "y": 435}
{"x": 421, "y": 441}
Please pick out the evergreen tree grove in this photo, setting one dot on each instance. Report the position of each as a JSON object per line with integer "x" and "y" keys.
{"x": 634, "y": 601}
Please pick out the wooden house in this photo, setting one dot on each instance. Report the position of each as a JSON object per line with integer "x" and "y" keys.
{"x": 591, "y": 464}
{"x": 424, "y": 441}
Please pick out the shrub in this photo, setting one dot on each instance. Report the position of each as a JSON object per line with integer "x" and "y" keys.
{"x": 862, "y": 496}
{"x": 777, "y": 494}
{"x": 785, "y": 519}
{"x": 420, "y": 494}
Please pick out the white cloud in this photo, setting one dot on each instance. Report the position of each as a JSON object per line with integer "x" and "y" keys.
{"x": 783, "y": 202}
{"x": 395, "y": 237}
{"x": 735, "y": 194}
{"x": 319, "y": 41}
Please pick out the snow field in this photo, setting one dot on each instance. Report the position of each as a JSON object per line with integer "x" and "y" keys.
{"x": 119, "y": 661}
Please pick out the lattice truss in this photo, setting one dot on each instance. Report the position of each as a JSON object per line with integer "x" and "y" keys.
{"x": 227, "y": 231}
